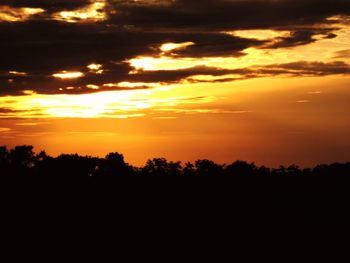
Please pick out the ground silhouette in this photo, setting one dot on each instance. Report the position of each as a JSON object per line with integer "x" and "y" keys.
{"x": 23, "y": 161}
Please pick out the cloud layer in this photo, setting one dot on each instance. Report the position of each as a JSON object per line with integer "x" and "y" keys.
{"x": 42, "y": 38}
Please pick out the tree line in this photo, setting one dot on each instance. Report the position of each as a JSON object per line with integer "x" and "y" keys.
{"x": 23, "y": 161}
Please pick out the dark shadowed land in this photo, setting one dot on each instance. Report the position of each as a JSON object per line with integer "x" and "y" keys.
{"x": 237, "y": 191}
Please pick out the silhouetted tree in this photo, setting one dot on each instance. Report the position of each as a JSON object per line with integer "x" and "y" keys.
{"x": 114, "y": 165}
{"x": 208, "y": 168}
{"x": 161, "y": 167}
{"x": 263, "y": 171}
{"x": 241, "y": 168}
{"x": 188, "y": 169}
{"x": 4, "y": 161}
{"x": 294, "y": 170}
{"x": 67, "y": 166}
{"x": 307, "y": 172}
{"x": 21, "y": 158}
{"x": 282, "y": 171}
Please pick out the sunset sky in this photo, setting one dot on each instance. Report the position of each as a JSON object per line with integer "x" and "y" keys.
{"x": 256, "y": 80}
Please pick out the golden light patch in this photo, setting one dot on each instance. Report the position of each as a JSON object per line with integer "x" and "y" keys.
{"x": 12, "y": 14}
{"x": 29, "y": 92}
{"x": 68, "y": 75}
{"x": 127, "y": 84}
{"x": 259, "y": 34}
{"x": 112, "y": 104}
{"x": 94, "y": 12}
{"x": 210, "y": 78}
{"x": 173, "y": 46}
{"x": 163, "y": 63}
{"x": 92, "y": 86}
{"x": 16, "y": 73}
{"x": 95, "y": 68}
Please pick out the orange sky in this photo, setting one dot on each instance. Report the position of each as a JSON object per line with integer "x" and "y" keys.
{"x": 291, "y": 107}
{"x": 270, "y": 121}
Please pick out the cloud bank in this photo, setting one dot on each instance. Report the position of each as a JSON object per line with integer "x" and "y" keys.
{"x": 41, "y": 40}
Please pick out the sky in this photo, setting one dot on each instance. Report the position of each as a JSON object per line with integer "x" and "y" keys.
{"x": 265, "y": 81}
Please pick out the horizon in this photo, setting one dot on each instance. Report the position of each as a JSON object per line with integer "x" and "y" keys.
{"x": 261, "y": 81}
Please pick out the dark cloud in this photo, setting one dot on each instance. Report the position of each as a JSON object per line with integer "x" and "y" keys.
{"x": 43, "y": 46}
{"x": 226, "y": 14}
{"x": 301, "y": 37}
{"x": 296, "y": 69}
{"x": 48, "y": 5}
{"x": 303, "y": 68}
{"x": 84, "y": 85}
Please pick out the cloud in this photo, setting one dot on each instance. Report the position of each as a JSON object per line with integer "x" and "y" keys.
{"x": 156, "y": 78}
{"x": 208, "y": 15}
{"x": 304, "y": 68}
{"x": 116, "y": 31}
{"x": 295, "y": 69}
{"x": 301, "y": 37}
{"x": 51, "y": 6}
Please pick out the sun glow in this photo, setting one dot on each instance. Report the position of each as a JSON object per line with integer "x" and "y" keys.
{"x": 68, "y": 75}
{"x": 128, "y": 103}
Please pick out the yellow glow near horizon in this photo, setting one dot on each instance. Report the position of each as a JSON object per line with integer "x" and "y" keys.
{"x": 68, "y": 75}
{"x": 108, "y": 104}
{"x": 92, "y": 13}
{"x": 12, "y": 14}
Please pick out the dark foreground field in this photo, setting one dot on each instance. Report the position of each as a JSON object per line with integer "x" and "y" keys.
{"x": 162, "y": 191}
